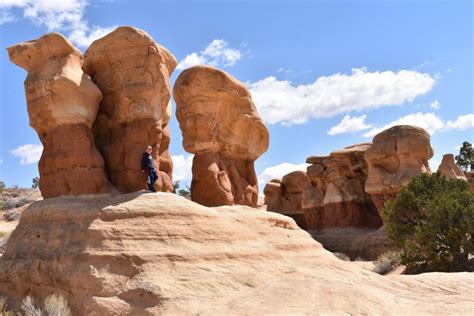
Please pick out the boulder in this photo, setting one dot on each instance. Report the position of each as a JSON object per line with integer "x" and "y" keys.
{"x": 62, "y": 105}
{"x": 397, "y": 155}
{"x": 450, "y": 169}
{"x": 161, "y": 254}
{"x": 334, "y": 195}
{"x": 221, "y": 127}
{"x": 133, "y": 71}
{"x": 286, "y": 196}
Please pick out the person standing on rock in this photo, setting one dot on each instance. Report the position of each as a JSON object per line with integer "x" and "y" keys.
{"x": 149, "y": 169}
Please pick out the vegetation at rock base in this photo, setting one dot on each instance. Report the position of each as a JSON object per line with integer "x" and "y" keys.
{"x": 54, "y": 305}
{"x": 387, "y": 262}
{"x": 465, "y": 159}
{"x": 432, "y": 222}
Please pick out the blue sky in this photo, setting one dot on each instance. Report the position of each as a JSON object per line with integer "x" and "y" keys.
{"x": 323, "y": 74}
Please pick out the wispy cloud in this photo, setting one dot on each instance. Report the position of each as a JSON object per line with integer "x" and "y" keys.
{"x": 280, "y": 101}
{"x": 430, "y": 122}
{"x": 278, "y": 171}
{"x": 435, "y": 105}
{"x": 350, "y": 125}
{"x": 217, "y": 53}
{"x": 28, "y": 154}
{"x": 182, "y": 168}
{"x": 56, "y": 15}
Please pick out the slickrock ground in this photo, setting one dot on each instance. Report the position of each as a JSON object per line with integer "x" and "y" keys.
{"x": 145, "y": 253}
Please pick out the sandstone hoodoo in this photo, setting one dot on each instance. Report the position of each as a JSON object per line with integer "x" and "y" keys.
{"x": 132, "y": 71}
{"x": 62, "y": 106}
{"x": 397, "y": 155}
{"x": 286, "y": 196}
{"x": 450, "y": 169}
{"x": 221, "y": 127}
{"x": 335, "y": 196}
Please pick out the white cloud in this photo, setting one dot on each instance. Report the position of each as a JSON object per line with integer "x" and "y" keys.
{"x": 278, "y": 171}
{"x": 6, "y": 17}
{"x": 462, "y": 123}
{"x": 350, "y": 125}
{"x": 182, "y": 168}
{"x": 435, "y": 105}
{"x": 57, "y": 15}
{"x": 279, "y": 101}
{"x": 217, "y": 53}
{"x": 428, "y": 121}
{"x": 28, "y": 154}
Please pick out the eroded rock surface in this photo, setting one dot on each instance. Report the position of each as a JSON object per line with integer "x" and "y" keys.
{"x": 132, "y": 71}
{"x": 286, "y": 196}
{"x": 397, "y": 155}
{"x": 450, "y": 169}
{"x": 62, "y": 105}
{"x": 223, "y": 130}
{"x": 334, "y": 196}
{"x": 160, "y": 254}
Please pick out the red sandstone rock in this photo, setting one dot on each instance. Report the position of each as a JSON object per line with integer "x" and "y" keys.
{"x": 334, "y": 196}
{"x": 285, "y": 196}
{"x": 395, "y": 157}
{"x": 223, "y": 130}
{"x": 449, "y": 169}
{"x": 62, "y": 105}
{"x": 160, "y": 254}
{"x": 133, "y": 72}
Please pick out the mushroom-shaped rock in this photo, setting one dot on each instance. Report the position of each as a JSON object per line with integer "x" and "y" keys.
{"x": 286, "y": 196}
{"x": 334, "y": 197}
{"x": 450, "y": 169}
{"x": 62, "y": 105}
{"x": 221, "y": 127}
{"x": 133, "y": 72}
{"x": 397, "y": 155}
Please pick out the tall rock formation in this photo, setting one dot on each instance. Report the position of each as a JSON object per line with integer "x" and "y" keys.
{"x": 286, "y": 196}
{"x": 450, "y": 169}
{"x": 62, "y": 105}
{"x": 223, "y": 130}
{"x": 133, "y": 72}
{"x": 397, "y": 155}
{"x": 334, "y": 196}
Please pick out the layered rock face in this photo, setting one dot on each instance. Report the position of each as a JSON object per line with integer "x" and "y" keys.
{"x": 62, "y": 105}
{"x": 450, "y": 169}
{"x": 223, "y": 130}
{"x": 133, "y": 72}
{"x": 286, "y": 196}
{"x": 160, "y": 254}
{"x": 397, "y": 154}
{"x": 334, "y": 196}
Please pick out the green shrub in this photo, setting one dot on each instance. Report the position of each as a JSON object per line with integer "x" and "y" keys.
{"x": 432, "y": 221}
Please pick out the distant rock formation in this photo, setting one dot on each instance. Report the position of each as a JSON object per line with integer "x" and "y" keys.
{"x": 450, "y": 169}
{"x": 133, "y": 72}
{"x": 397, "y": 155}
{"x": 223, "y": 130}
{"x": 470, "y": 179}
{"x": 334, "y": 196}
{"x": 62, "y": 105}
{"x": 161, "y": 254}
{"x": 286, "y": 196}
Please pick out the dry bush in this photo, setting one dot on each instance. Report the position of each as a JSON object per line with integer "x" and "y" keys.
{"x": 387, "y": 262}
{"x": 56, "y": 305}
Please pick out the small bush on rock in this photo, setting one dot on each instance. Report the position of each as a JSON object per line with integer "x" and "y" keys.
{"x": 387, "y": 262}
{"x": 432, "y": 221}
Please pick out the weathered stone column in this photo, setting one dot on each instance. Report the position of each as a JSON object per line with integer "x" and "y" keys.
{"x": 223, "y": 130}
{"x": 62, "y": 105}
{"x": 132, "y": 71}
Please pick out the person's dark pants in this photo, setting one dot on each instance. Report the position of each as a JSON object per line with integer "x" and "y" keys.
{"x": 152, "y": 179}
